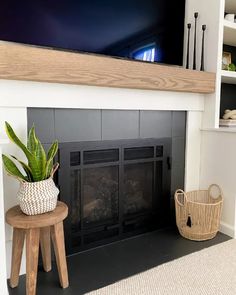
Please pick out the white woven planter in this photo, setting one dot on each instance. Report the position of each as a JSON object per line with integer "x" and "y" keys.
{"x": 38, "y": 197}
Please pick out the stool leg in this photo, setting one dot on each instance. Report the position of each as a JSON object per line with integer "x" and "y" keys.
{"x": 17, "y": 248}
{"x": 32, "y": 251}
{"x": 45, "y": 245}
{"x": 59, "y": 248}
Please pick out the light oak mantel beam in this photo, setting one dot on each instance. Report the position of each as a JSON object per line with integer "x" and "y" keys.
{"x": 30, "y": 63}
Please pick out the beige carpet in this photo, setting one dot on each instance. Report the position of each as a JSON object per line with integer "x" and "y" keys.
{"x": 211, "y": 271}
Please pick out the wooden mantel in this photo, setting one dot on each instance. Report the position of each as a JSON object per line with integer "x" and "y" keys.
{"x": 29, "y": 63}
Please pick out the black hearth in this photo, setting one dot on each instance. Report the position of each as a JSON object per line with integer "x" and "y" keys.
{"x": 114, "y": 189}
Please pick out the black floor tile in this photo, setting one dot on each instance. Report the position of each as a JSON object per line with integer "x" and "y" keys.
{"x": 105, "y": 265}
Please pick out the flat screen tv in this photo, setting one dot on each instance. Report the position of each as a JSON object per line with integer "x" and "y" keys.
{"x": 146, "y": 30}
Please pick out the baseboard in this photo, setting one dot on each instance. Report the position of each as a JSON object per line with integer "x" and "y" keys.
{"x": 227, "y": 229}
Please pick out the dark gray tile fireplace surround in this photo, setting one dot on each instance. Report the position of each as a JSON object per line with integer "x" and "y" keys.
{"x": 87, "y": 126}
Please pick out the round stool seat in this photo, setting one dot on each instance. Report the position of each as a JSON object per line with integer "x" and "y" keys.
{"x": 16, "y": 218}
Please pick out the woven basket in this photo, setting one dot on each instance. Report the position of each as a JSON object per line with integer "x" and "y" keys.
{"x": 198, "y": 213}
{"x": 38, "y": 197}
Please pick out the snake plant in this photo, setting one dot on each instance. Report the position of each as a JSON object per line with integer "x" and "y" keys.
{"x": 39, "y": 165}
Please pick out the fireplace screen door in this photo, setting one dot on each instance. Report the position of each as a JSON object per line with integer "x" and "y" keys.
{"x": 114, "y": 189}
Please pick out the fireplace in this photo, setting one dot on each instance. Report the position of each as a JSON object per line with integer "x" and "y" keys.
{"x": 118, "y": 170}
{"x": 114, "y": 189}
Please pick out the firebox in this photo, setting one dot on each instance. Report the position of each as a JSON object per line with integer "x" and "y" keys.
{"x": 114, "y": 189}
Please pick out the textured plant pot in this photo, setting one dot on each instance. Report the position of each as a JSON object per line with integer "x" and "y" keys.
{"x": 38, "y": 197}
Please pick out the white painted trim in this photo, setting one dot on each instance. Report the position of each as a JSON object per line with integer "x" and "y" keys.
{"x": 227, "y": 229}
{"x": 51, "y": 95}
{"x": 193, "y": 150}
{"x": 221, "y": 129}
{"x": 3, "y": 272}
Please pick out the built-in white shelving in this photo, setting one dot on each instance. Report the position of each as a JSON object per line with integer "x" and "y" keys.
{"x": 228, "y": 38}
{"x": 229, "y": 33}
{"x": 228, "y": 77}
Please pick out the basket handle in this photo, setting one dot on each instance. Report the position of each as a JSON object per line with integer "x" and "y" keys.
{"x": 54, "y": 169}
{"x": 177, "y": 193}
{"x": 217, "y": 186}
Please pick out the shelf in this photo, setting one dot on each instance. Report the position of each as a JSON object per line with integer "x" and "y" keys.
{"x": 229, "y": 33}
{"x": 228, "y": 77}
{"x": 230, "y": 6}
{"x": 220, "y": 129}
{"x": 30, "y": 63}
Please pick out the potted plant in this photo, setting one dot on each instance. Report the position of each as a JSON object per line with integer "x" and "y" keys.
{"x": 38, "y": 192}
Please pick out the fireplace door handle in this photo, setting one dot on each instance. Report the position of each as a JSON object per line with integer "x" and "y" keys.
{"x": 169, "y": 163}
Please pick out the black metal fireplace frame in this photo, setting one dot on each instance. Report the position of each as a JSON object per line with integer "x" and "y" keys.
{"x": 158, "y": 220}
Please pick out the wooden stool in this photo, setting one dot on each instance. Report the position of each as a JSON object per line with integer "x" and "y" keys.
{"x": 37, "y": 229}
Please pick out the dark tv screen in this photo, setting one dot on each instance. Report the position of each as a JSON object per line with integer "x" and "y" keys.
{"x": 146, "y": 30}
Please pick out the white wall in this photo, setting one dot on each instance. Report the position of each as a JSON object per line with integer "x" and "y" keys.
{"x": 218, "y": 163}
{"x": 3, "y": 283}
{"x": 18, "y": 119}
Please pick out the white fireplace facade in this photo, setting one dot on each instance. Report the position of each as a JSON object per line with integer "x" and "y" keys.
{"x": 16, "y": 96}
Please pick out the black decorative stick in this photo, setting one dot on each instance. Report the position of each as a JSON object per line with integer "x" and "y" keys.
{"x": 195, "y": 41}
{"x": 187, "y": 59}
{"x": 203, "y": 45}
